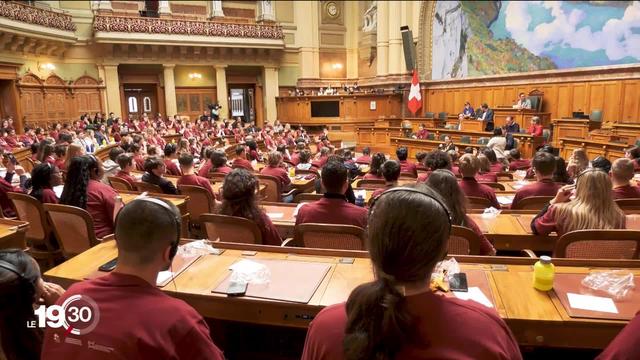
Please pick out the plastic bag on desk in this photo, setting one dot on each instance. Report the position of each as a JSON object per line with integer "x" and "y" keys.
{"x": 198, "y": 247}
{"x": 448, "y": 267}
{"x": 490, "y": 213}
{"x": 616, "y": 283}
{"x": 250, "y": 272}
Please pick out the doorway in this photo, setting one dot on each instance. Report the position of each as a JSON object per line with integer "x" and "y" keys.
{"x": 140, "y": 99}
{"x": 242, "y": 102}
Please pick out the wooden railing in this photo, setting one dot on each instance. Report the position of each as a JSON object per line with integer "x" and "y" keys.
{"x": 36, "y": 16}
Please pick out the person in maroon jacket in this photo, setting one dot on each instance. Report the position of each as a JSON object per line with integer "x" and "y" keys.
{"x": 295, "y": 157}
{"x": 496, "y": 165}
{"x": 365, "y": 159}
{"x": 633, "y": 154}
{"x": 189, "y": 177}
{"x": 322, "y": 158}
{"x": 485, "y": 174}
{"x": 625, "y": 345}
{"x": 275, "y": 169}
{"x": 241, "y": 159}
{"x": 544, "y": 165}
{"x": 125, "y": 162}
{"x": 621, "y": 175}
{"x": 239, "y": 199}
{"x": 436, "y": 159}
{"x": 397, "y": 315}
{"x": 170, "y": 154}
{"x": 44, "y": 177}
{"x": 219, "y": 162}
{"x": 129, "y": 303}
{"x": 516, "y": 162}
{"x": 422, "y": 132}
{"x": 375, "y": 169}
{"x": 405, "y": 166}
{"x": 333, "y": 208}
{"x": 469, "y": 166}
{"x": 391, "y": 173}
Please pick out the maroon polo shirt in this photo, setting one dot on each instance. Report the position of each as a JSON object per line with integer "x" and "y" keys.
{"x": 626, "y": 192}
{"x": 137, "y": 321}
{"x": 279, "y": 173}
{"x": 379, "y": 191}
{"x": 332, "y": 209}
{"x": 195, "y": 180}
{"x": 172, "y": 168}
{"x": 497, "y": 167}
{"x": 49, "y": 196}
{"x": 364, "y": 159}
{"x": 370, "y": 176}
{"x": 545, "y": 187}
{"x": 101, "y": 200}
{"x": 243, "y": 163}
{"x": 487, "y": 177}
{"x": 625, "y": 345}
{"x": 269, "y": 232}
{"x": 295, "y": 158}
{"x": 471, "y": 187}
{"x": 477, "y": 332}
{"x": 408, "y": 167}
{"x": 204, "y": 169}
{"x": 125, "y": 176}
{"x": 320, "y": 162}
{"x": 223, "y": 169}
{"x": 486, "y": 247}
{"x": 519, "y": 164}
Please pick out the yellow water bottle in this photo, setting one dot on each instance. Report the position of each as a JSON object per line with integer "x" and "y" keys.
{"x": 292, "y": 171}
{"x": 543, "y": 274}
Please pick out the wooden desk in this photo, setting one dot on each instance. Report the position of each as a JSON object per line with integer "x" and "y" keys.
{"x": 573, "y": 128}
{"x": 472, "y": 125}
{"x": 180, "y": 201}
{"x": 13, "y": 234}
{"x": 533, "y": 316}
{"x": 522, "y": 117}
{"x": 611, "y": 151}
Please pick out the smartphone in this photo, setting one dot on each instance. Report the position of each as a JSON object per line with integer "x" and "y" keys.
{"x": 109, "y": 266}
{"x": 237, "y": 288}
{"x": 458, "y": 282}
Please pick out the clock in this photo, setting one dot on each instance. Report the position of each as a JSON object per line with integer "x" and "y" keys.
{"x": 332, "y": 9}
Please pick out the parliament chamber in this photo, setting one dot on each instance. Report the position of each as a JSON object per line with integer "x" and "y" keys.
{"x": 229, "y": 179}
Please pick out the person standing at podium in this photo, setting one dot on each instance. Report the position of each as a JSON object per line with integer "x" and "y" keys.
{"x": 523, "y": 102}
{"x": 468, "y": 110}
{"x": 487, "y": 115}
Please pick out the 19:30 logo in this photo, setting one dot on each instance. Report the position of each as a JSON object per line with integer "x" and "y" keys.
{"x": 78, "y": 315}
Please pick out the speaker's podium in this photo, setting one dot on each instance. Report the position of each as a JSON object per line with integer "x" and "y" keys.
{"x": 472, "y": 125}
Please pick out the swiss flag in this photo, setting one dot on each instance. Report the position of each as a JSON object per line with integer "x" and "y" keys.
{"x": 415, "y": 99}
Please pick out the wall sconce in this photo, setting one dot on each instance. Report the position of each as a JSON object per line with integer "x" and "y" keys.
{"x": 195, "y": 76}
{"x": 337, "y": 66}
{"x": 47, "y": 67}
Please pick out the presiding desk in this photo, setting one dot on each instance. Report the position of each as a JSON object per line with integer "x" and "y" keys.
{"x": 594, "y": 148}
{"x": 520, "y": 116}
{"x": 536, "y": 318}
{"x": 573, "y": 128}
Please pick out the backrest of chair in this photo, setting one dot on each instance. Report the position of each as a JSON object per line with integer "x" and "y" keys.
{"x": 429, "y": 115}
{"x": 217, "y": 176}
{"x": 311, "y": 171}
{"x": 30, "y": 209}
{"x": 497, "y": 186}
{"x": 478, "y": 202}
{"x": 546, "y": 134}
{"x": 504, "y": 176}
{"x": 307, "y": 197}
{"x": 465, "y": 139}
{"x": 483, "y": 140}
{"x": 628, "y": 204}
{"x": 273, "y": 192}
{"x": 231, "y": 229}
{"x": 148, "y": 187}
{"x": 200, "y": 200}
{"x": 73, "y": 228}
{"x": 370, "y": 183}
{"x": 431, "y": 136}
{"x": 442, "y": 115}
{"x": 463, "y": 241}
{"x": 596, "y": 115}
{"x": 442, "y": 136}
{"x": 120, "y": 183}
{"x": 326, "y": 236}
{"x": 532, "y": 203}
{"x": 408, "y": 175}
{"x": 599, "y": 244}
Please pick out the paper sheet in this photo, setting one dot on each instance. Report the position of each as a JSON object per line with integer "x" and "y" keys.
{"x": 58, "y": 190}
{"x": 474, "y": 294}
{"x": 275, "y": 215}
{"x": 505, "y": 200}
{"x": 163, "y": 276}
{"x": 246, "y": 266}
{"x": 592, "y": 303}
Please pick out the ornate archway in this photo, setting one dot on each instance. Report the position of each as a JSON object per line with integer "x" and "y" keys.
{"x": 427, "y": 9}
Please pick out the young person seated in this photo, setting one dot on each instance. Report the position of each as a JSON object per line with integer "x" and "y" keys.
{"x": 219, "y": 163}
{"x": 469, "y": 166}
{"x": 188, "y": 174}
{"x": 485, "y": 174}
{"x": 138, "y": 320}
{"x": 625, "y": 345}
{"x": 171, "y": 154}
{"x": 602, "y": 163}
{"x": 578, "y": 162}
{"x": 375, "y": 168}
{"x": 205, "y": 166}
{"x": 239, "y": 199}
{"x": 446, "y": 184}
{"x": 517, "y": 163}
{"x": 621, "y": 175}
{"x": 365, "y": 158}
{"x": 593, "y": 207}
{"x": 560, "y": 175}
{"x": 397, "y": 315}
{"x": 496, "y": 165}
{"x": 6, "y": 183}
{"x": 435, "y": 160}
{"x": 154, "y": 174}
{"x": 422, "y": 133}
{"x": 241, "y": 159}
{"x": 295, "y": 157}
{"x": 138, "y": 156}
{"x": 405, "y": 166}
{"x": 61, "y": 154}
{"x": 448, "y": 145}
{"x": 253, "y": 154}
{"x": 44, "y": 177}
{"x": 633, "y": 154}
{"x": 420, "y": 156}
{"x": 323, "y": 157}
{"x": 277, "y": 170}
{"x": 126, "y": 164}
{"x": 333, "y": 208}
{"x": 22, "y": 290}
{"x": 391, "y": 173}
{"x": 110, "y": 166}
{"x": 83, "y": 189}
{"x": 305, "y": 161}
{"x": 544, "y": 165}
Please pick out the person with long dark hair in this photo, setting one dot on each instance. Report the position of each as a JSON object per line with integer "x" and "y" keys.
{"x": 43, "y": 178}
{"x": 46, "y": 150}
{"x": 375, "y": 168}
{"x": 560, "y": 175}
{"x": 239, "y": 199}
{"x": 397, "y": 316}
{"x": 83, "y": 189}
{"x": 21, "y": 287}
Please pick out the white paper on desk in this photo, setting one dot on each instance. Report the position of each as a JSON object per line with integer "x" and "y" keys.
{"x": 163, "y": 276}
{"x": 474, "y": 294}
{"x": 506, "y": 199}
{"x": 592, "y": 303}
{"x": 245, "y": 265}
{"x": 58, "y": 190}
{"x": 275, "y": 215}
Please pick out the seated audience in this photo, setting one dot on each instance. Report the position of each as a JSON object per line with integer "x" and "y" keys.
{"x": 397, "y": 316}
{"x": 239, "y": 199}
{"x": 43, "y": 178}
{"x": 420, "y": 156}
{"x": 535, "y": 129}
{"x": 448, "y": 145}
{"x": 276, "y": 169}
{"x": 485, "y": 174}
{"x": 592, "y": 208}
{"x": 219, "y": 162}
{"x": 131, "y": 306}
{"x": 544, "y": 165}
{"x": 171, "y": 154}
{"x": 206, "y": 166}
{"x": 154, "y": 174}
{"x": 365, "y": 158}
{"x": 435, "y": 160}
{"x": 578, "y": 162}
{"x": 391, "y": 173}
{"x": 61, "y": 153}
{"x": 445, "y": 183}
{"x": 46, "y": 152}
{"x": 469, "y": 166}
{"x": 333, "y": 208}
{"x": 110, "y": 166}
{"x": 496, "y": 165}
{"x": 253, "y": 154}
{"x": 516, "y": 162}
{"x": 633, "y": 154}
{"x": 560, "y": 175}
{"x": 188, "y": 174}
{"x": 6, "y": 183}
{"x": 305, "y": 161}
{"x": 498, "y": 144}
{"x": 73, "y": 150}
{"x": 22, "y": 290}
{"x": 125, "y": 162}
{"x": 322, "y": 159}
{"x": 602, "y": 163}
{"x": 83, "y": 189}
{"x": 625, "y": 345}
{"x": 405, "y": 166}
{"x": 375, "y": 169}
{"x": 621, "y": 175}
{"x": 241, "y": 159}
{"x": 295, "y": 157}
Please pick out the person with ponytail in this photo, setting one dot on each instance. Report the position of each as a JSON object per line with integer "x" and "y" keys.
{"x": 21, "y": 287}
{"x": 84, "y": 189}
{"x": 397, "y": 316}
{"x": 44, "y": 178}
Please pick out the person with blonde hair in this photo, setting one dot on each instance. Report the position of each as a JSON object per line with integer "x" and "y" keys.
{"x": 484, "y": 173}
{"x": 72, "y": 151}
{"x": 592, "y": 208}
{"x": 578, "y": 162}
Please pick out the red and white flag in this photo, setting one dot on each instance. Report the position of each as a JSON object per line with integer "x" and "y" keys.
{"x": 415, "y": 98}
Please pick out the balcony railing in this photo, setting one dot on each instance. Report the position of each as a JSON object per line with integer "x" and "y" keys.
{"x": 128, "y": 24}
{"x": 36, "y": 16}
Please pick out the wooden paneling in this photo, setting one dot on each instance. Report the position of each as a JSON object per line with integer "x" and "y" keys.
{"x": 611, "y": 151}
{"x": 192, "y": 102}
{"x": 630, "y": 104}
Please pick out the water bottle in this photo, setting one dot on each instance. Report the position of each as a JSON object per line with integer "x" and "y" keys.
{"x": 360, "y": 201}
{"x": 543, "y": 274}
